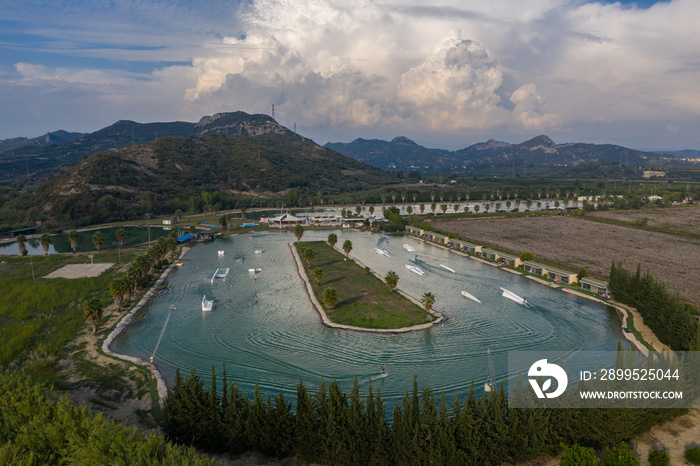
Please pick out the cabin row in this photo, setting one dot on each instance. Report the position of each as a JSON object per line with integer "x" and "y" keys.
{"x": 536, "y": 268}
{"x": 288, "y": 220}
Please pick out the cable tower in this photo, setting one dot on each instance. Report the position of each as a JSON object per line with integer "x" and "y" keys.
{"x": 490, "y": 384}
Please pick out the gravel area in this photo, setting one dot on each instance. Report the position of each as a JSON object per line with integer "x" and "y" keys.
{"x": 79, "y": 270}
{"x": 572, "y": 242}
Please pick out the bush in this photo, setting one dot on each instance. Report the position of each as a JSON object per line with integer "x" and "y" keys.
{"x": 527, "y": 256}
{"x": 620, "y": 456}
{"x": 659, "y": 458}
{"x": 576, "y": 455}
{"x": 692, "y": 455}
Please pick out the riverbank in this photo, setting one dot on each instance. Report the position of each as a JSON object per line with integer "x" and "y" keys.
{"x": 126, "y": 320}
{"x": 329, "y": 323}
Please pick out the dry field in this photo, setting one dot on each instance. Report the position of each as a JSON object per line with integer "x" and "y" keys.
{"x": 573, "y": 242}
{"x": 682, "y": 219}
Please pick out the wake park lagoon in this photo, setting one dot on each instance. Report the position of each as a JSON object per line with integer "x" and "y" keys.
{"x": 264, "y": 328}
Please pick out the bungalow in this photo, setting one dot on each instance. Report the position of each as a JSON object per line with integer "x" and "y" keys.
{"x": 535, "y": 268}
{"x": 558, "y": 275}
{"x": 509, "y": 259}
{"x": 411, "y": 230}
{"x": 596, "y": 286}
{"x": 491, "y": 254}
{"x": 436, "y": 237}
{"x": 471, "y": 248}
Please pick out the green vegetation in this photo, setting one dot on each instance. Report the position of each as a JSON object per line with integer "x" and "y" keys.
{"x": 331, "y": 427}
{"x": 658, "y": 457}
{"x": 635, "y": 332}
{"x": 37, "y": 429}
{"x": 663, "y": 312}
{"x": 692, "y": 455}
{"x": 363, "y": 300}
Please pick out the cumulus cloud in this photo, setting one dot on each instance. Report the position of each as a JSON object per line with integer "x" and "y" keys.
{"x": 502, "y": 69}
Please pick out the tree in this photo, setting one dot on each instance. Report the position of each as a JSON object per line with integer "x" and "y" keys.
{"x": 178, "y": 215}
{"x": 427, "y": 300}
{"x": 332, "y": 239}
{"x": 347, "y": 247}
{"x": 620, "y": 456}
{"x": 309, "y": 255}
{"x": 298, "y": 232}
{"x": 22, "y": 245}
{"x": 391, "y": 279}
{"x": 73, "y": 237}
{"x": 371, "y": 210}
{"x": 443, "y": 207}
{"x": 582, "y": 273}
{"x": 432, "y": 207}
{"x": 318, "y": 275}
{"x": 527, "y": 256}
{"x": 45, "y": 242}
{"x": 99, "y": 239}
{"x": 422, "y": 208}
{"x": 330, "y": 297}
{"x": 576, "y": 455}
{"x": 117, "y": 288}
{"x": 409, "y": 209}
{"x": 93, "y": 312}
{"x": 476, "y": 209}
{"x": 358, "y": 209}
{"x": 658, "y": 457}
{"x": 121, "y": 237}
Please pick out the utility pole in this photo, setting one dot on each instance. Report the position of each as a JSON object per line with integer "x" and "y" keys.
{"x": 273, "y": 112}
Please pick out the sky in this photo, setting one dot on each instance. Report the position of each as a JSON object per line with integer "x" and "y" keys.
{"x": 445, "y": 73}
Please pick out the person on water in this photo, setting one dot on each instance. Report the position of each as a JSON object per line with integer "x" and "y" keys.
{"x": 383, "y": 370}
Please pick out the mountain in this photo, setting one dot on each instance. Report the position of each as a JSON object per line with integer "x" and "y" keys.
{"x": 168, "y": 173}
{"x": 538, "y": 155}
{"x": 55, "y": 137}
{"x": 44, "y": 160}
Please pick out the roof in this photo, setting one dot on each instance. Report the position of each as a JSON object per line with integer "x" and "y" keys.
{"x": 536, "y": 264}
{"x": 467, "y": 243}
{"x": 183, "y": 238}
{"x": 286, "y": 218}
{"x": 508, "y": 256}
{"x": 437, "y": 235}
{"x": 594, "y": 282}
{"x": 557, "y": 271}
{"x": 493, "y": 251}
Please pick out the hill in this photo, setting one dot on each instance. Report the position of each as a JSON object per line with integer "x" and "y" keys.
{"x": 172, "y": 172}
{"x": 42, "y": 160}
{"x": 539, "y": 155}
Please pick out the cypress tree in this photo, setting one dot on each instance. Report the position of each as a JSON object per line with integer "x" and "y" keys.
{"x": 307, "y": 425}
{"x": 255, "y": 425}
{"x": 282, "y": 421}
{"x": 234, "y": 420}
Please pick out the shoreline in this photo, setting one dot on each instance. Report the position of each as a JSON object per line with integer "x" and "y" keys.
{"x": 643, "y": 329}
{"x": 126, "y": 320}
{"x": 328, "y": 323}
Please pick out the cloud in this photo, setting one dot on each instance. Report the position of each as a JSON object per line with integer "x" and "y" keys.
{"x": 473, "y": 70}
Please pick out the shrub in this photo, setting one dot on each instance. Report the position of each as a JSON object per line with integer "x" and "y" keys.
{"x": 659, "y": 458}
{"x": 692, "y": 455}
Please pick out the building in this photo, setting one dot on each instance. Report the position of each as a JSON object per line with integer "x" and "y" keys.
{"x": 285, "y": 220}
{"x": 471, "y": 248}
{"x": 436, "y": 237}
{"x": 411, "y": 230}
{"x": 510, "y": 259}
{"x": 553, "y": 273}
{"x": 596, "y": 286}
{"x": 490, "y": 254}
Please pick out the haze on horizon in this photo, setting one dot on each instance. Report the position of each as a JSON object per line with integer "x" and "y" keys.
{"x": 444, "y": 74}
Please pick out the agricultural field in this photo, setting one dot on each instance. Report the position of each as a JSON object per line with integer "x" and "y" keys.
{"x": 573, "y": 242}
{"x": 681, "y": 220}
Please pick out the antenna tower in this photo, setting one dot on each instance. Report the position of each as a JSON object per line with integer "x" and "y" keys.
{"x": 273, "y": 112}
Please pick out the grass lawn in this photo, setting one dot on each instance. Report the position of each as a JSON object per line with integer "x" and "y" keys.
{"x": 363, "y": 299}
{"x": 38, "y": 318}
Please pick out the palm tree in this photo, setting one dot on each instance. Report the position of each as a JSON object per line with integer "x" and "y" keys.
{"x": 466, "y": 209}
{"x": 443, "y": 208}
{"x": 432, "y": 207}
{"x": 371, "y": 210}
{"x": 456, "y": 207}
{"x": 358, "y": 209}
{"x": 330, "y": 297}
{"x": 332, "y": 239}
{"x": 409, "y": 209}
{"x": 403, "y": 196}
{"x": 476, "y": 208}
{"x": 347, "y": 247}
{"x": 93, "y": 312}
{"x": 45, "y": 243}
{"x": 432, "y": 196}
{"x": 414, "y": 196}
{"x": 422, "y": 208}
{"x": 73, "y": 237}
{"x": 309, "y": 255}
{"x": 21, "y": 244}
{"x": 393, "y": 197}
{"x": 298, "y": 232}
{"x": 117, "y": 287}
{"x": 391, "y": 279}
{"x": 427, "y": 300}
{"x": 318, "y": 275}
{"x": 99, "y": 239}
{"x": 487, "y": 206}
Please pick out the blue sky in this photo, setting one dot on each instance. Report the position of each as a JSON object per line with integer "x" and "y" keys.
{"x": 446, "y": 74}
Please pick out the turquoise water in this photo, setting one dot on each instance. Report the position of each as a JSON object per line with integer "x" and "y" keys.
{"x": 280, "y": 340}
